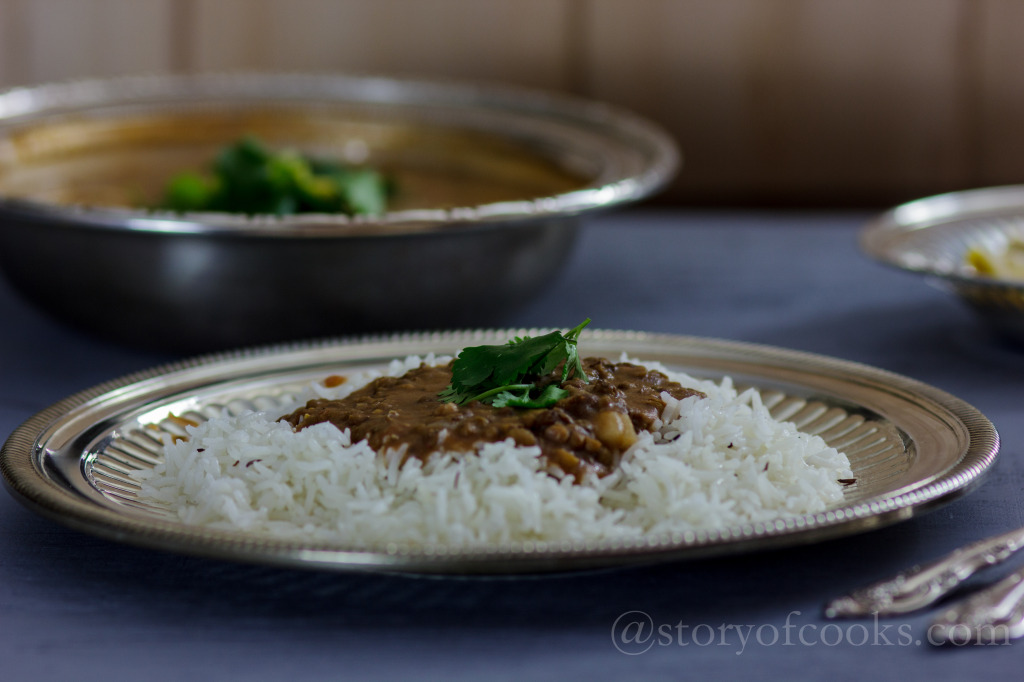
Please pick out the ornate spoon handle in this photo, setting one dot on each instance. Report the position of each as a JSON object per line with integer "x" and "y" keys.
{"x": 994, "y": 615}
{"x": 923, "y": 585}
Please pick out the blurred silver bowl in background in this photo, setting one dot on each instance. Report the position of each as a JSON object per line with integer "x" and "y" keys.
{"x": 932, "y": 237}
{"x": 492, "y": 184}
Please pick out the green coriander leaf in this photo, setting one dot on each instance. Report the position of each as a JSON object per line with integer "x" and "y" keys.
{"x": 189, "y": 192}
{"x": 573, "y": 364}
{"x": 484, "y": 372}
{"x": 249, "y": 178}
{"x": 553, "y": 358}
{"x": 365, "y": 192}
{"x": 548, "y": 397}
{"x": 489, "y": 395}
{"x": 451, "y": 395}
{"x": 504, "y": 364}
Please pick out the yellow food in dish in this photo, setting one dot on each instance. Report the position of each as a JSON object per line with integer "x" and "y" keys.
{"x": 1007, "y": 263}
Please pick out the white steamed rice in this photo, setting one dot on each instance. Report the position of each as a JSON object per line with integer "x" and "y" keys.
{"x": 716, "y": 462}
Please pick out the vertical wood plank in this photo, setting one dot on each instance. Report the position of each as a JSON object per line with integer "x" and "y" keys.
{"x": 228, "y": 35}
{"x": 821, "y": 98}
{"x": 11, "y": 45}
{"x": 7, "y": 76}
{"x": 77, "y": 38}
{"x": 1001, "y": 95}
{"x": 519, "y": 41}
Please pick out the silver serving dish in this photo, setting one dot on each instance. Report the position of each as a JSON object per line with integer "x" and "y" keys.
{"x": 492, "y": 184}
{"x": 911, "y": 447}
{"x": 931, "y": 237}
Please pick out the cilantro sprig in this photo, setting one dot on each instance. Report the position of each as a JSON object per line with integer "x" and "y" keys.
{"x": 248, "y": 177}
{"x": 507, "y": 374}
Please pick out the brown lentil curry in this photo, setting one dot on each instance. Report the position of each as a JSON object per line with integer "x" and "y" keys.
{"x": 587, "y": 430}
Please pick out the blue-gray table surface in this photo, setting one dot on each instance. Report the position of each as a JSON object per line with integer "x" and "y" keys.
{"x": 76, "y": 607}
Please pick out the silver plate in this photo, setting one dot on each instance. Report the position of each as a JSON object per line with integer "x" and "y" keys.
{"x": 911, "y": 447}
{"x": 931, "y": 237}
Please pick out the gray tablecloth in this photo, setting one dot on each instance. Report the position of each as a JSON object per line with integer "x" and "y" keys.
{"x": 76, "y": 607}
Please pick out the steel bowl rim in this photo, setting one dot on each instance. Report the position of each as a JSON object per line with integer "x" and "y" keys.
{"x": 22, "y": 105}
{"x": 1000, "y": 201}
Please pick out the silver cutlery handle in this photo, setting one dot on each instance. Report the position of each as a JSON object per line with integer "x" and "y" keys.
{"x": 923, "y": 585}
{"x": 994, "y": 615}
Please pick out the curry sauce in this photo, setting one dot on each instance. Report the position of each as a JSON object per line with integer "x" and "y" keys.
{"x": 587, "y": 430}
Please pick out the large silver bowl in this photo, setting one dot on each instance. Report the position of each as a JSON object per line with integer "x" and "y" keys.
{"x": 492, "y": 184}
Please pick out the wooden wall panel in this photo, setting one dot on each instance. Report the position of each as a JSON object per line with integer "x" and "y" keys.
{"x": 520, "y": 41}
{"x": 823, "y": 102}
{"x": 8, "y": 70}
{"x": 61, "y": 39}
{"x": 770, "y": 99}
{"x": 1000, "y": 94}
